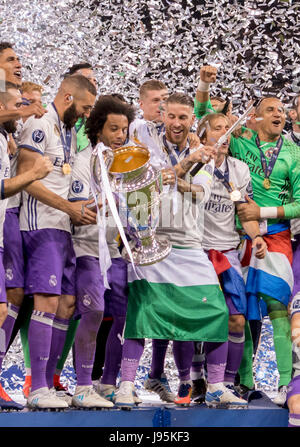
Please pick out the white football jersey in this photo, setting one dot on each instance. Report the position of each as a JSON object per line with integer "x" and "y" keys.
{"x": 184, "y": 225}
{"x": 42, "y": 135}
{"x": 15, "y": 201}
{"x": 85, "y": 238}
{"x": 4, "y": 174}
{"x": 219, "y": 216}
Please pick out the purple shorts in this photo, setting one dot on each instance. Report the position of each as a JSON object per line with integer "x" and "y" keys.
{"x": 231, "y": 307}
{"x": 91, "y": 294}
{"x": 116, "y": 298}
{"x": 13, "y": 258}
{"x": 50, "y": 262}
{"x": 2, "y": 279}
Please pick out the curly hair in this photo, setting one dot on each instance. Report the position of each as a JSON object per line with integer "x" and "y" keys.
{"x": 106, "y": 105}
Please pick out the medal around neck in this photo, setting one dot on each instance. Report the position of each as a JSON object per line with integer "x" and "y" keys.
{"x": 66, "y": 169}
{"x": 266, "y": 183}
{"x": 235, "y": 195}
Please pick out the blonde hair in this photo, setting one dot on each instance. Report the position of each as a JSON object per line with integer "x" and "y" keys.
{"x": 205, "y": 123}
{"x": 152, "y": 84}
{"x": 29, "y": 87}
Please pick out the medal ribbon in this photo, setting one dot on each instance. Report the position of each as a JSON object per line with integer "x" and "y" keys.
{"x": 224, "y": 177}
{"x": 269, "y": 168}
{"x": 66, "y": 142}
{"x": 171, "y": 154}
{"x": 295, "y": 139}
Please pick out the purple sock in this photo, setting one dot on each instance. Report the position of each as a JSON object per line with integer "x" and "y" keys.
{"x": 235, "y": 353}
{"x": 113, "y": 352}
{"x": 216, "y": 357}
{"x": 198, "y": 362}
{"x": 132, "y": 352}
{"x": 6, "y": 329}
{"x": 59, "y": 332}
{"x": 183, "y": 352}
{"x": 159, "y": 349}
{"x": 85, "y": 346}
{"x": 39, "y": 340}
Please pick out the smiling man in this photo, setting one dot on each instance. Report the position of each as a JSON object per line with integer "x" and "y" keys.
{"x": 45, "y": 224}
{"x": 159, "y": 293}
{"x": 108, "y": 124}
{"x": 11, "y": 64}
{"x": 274, "y": 164}
{"x": 11, "y": 71}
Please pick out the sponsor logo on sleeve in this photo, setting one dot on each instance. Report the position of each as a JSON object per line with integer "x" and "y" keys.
{"x": 296, "y": 304}
{"x": 77, "y": 186}
{"x": 38, "y": 135}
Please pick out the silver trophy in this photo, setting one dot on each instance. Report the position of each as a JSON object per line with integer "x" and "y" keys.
{"x": 137, "y": 187}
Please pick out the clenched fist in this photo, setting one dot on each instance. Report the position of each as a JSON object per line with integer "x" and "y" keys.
{"x": 208, "y": 74}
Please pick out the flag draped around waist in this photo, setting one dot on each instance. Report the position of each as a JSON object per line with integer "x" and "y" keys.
{"x": 228, "y": 268}
{"x": 269, "y": 277}
{"x": 178, "y": 298}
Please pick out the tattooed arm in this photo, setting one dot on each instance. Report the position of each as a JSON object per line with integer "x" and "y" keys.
{"x": 203, "y": 155}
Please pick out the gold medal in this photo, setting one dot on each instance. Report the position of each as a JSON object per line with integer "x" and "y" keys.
{"x": 266, "y": 183}
{"x": 66, "y": 169}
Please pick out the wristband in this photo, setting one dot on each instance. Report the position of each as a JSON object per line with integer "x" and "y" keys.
{"x": 268, "y": 212}
{"x": 203, "y": 86}
{"x": 258, "y": 235}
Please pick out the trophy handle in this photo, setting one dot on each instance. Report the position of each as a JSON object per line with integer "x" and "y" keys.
{"x": 108, "y": 157}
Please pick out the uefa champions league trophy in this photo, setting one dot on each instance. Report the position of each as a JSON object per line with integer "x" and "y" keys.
{"x": 136, "y": 186}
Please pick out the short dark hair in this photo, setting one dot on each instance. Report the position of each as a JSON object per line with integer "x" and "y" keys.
{"x": 80, "y": 82}
{"x": 106, "y": 105}
{"x": 77, "y": 67}
{"x": 118, "y": 96}
{"x": 267, "y": 96}
{"x": 5, "y": 45}
{"x": 180, "y": 98}
{"x": 152, "y": 84}
{"x": 4, "y": 96}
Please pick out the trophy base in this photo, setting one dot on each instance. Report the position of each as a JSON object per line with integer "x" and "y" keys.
{"x": 154, "y": 250}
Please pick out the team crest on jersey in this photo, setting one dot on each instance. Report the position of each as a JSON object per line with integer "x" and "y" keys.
{"x": 53, "y": 281}
{"x": 77, "y": 186}
{"x": 269, "y": 152}
{"x": 249, "y": 190}
{"x": 208, "y": 169}
{"x": 9, "y": 274}
{"x": 87, "y": 300}
{"x": 38, "y": 136}
{"x": 247, "y": 134}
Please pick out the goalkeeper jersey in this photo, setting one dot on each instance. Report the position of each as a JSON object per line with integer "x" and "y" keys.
{"x": 285, "y": 178}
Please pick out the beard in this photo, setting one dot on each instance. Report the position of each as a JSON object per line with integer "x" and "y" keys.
{"x": 9, "y": 126}
{"x": 70, "y": 116}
